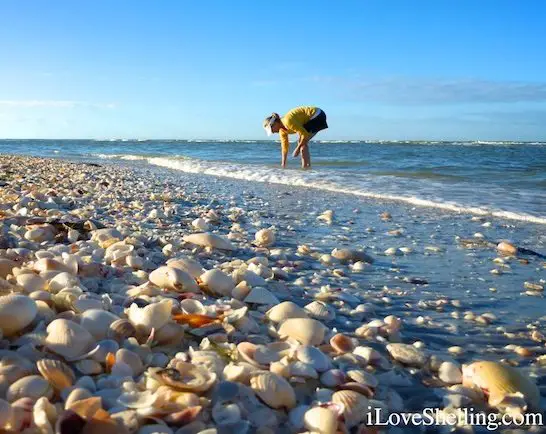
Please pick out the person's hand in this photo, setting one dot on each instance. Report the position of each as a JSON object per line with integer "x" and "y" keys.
{"x": 297, "y": 152}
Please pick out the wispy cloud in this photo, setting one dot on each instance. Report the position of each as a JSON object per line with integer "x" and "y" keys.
{"x": 403, "y": 90}
{"x": 55, "y": 104}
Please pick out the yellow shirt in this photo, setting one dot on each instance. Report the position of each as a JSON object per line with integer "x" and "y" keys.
{"x": 294, "y": 121}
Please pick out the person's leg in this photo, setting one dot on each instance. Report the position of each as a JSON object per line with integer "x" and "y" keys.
{"x": 306, "y": 155}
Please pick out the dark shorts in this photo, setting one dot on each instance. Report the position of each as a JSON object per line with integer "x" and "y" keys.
{"x": 316, "y": 124}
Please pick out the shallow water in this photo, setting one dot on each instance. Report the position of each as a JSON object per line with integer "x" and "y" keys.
{"x": 503, "y": 179}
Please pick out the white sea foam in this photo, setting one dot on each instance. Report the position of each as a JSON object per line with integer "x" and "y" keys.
{"x": 333, "y": 182}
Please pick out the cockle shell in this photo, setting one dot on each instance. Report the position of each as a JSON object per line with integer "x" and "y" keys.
{"x": 185, "y": 377}
{"x": 355, "y": 406}
{"x": 174, "y": 279}
{"x": 342, "y": 343}
{"x": 67, "y": 338}
{"x": 261, "y": 295}
{"x": 499, "y": 380}
{"x": 33, "y": 386}
{"x": 154, "y": 315}
{"x": 274, "y": 390}
{"x": 207, "y": 239}
{"x": 265, "y": 238}
{"x": 189, "y": 265}
{"x": 59, "y": 374}
{"x": 218, "y": 282}
{"x": 321, "y": 420}
{"x": 97, "y": 322}
{"x": 31, "y": 282}
{"x": 314, "y": 357}
{"x": 407, "y": 354}
{"x": 304, "y": 330}
{"x": 120, "y": 330}
{"x": 284, "y": 311}
{"x": 320, "y": 310}
{"x": 16, "y": 312}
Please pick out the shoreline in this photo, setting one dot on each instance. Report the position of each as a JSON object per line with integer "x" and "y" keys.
{"x": 424, "y": 285}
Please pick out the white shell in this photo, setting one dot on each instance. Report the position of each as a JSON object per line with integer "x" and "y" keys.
{"x": 189, "y": 265}
{"x": 117, "y": 251}
{"x": 67, "y": 338}
{"x": 261, "y": 295}
{"x": 407, "y": 354}
{"x": 274, "y": 390}
{"x": 131, "y": 359}
{"x": 16, "y": 312}
{"x": 226, "y": 413}
{"x": 31, "y": 282}
{"x": 155, "y": 315}
{"x": 200, "y": 224}
{"x": 174, "y": 279}
{"x": 355, "y": 406}
{"x": 132, "y": 399}
{"x": 97, "y": 322}
{"x": 190, "y": 305}
{"x": 313, "y": 356}
{"x": 320, "y": 310}
{"x": 321, "y": 420}
{"x": 207, "y": 239}
{"x": 88, "y": 367}
{"x": 33, "y": 386}
{"x": 265, "y": 237}
{"x": 305, "y": 330}
{"x": 63, "y": 280}
{"x": 218, "y": 282}
{"x": 284, "y": 311}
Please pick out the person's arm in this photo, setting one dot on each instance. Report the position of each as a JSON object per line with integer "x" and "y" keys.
{"x": 302, "y": 141}
{"x": 285, "y": 146}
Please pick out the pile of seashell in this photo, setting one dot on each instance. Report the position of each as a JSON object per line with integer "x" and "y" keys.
{"x": 105, "y": 329}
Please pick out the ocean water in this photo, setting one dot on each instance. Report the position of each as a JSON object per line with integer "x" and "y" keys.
{"x": 502, "y": 179}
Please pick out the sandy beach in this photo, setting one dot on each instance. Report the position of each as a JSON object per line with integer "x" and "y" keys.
{"x": 141, "y": 300}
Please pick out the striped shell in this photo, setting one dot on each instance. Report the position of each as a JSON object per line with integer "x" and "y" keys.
{"x": 59, "y": 374}
{"x": 274, "y": 390}
{"x": 498, "y": 380}
{"x": 304, "y": 330}
{"x": 355, "y": 406}
{"x": 120, "y": 330}
{"x": 320, "y": 310}
{"x": 67, "y": 338}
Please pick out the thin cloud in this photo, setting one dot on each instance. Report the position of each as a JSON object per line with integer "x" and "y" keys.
{"x": 402, "y": 90}
{"x": 54, "y": 104}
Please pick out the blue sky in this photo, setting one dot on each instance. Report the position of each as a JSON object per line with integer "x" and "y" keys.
{"x": 427, "y": 69}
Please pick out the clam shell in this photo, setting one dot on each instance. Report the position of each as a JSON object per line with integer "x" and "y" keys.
{"x": 67, "y": 338}
{"x": 284, "y": 311}
{"x": 218, "y": 282}
{"x": 33, "y": 387}
{"x": 355, "y": 406}
{"x": 77, "y": 394}
{"x": 313, "y": 356}
{"x": 407, "y": 354}
{"x": 173, "y": 279}
{"x": 304, "y": 330}
{"x": 190, "y": 305}
{"x": 170, "y": 333}
{"x": 342, "y": 344}
{"x": 117, "y": 251}
{"x": 154, "y": 315}
{"x": 131, "y": 359}
{"x": 274, "y": 390}
{"x": 186, "y": 377}
{"x": 89, "y": 367}
{"x": 59, "y": 374}
{"x": 190, "y": 266}
{"x": 31, "y": 282}
{"x": 261, "y": 295}
{"x": 138, "y": 399}
{"x": 207, "y": 239}
{"x": 321, "y": 420}
{"x": 500, "y": 380}
{"x": 265, "y": 238}
{"x": 362, "y": 377}
{"x": 97, "y": 322}
{"x": 200, "y": 224}
{"x": 63, "y": 280}
{"x": 304, "y": 370}
{"x": 16, "y": 312}
{"x": 320, "y": 310}
{"x": 333, "y": 378}
{"x": 247, "y": 352}
{"x": 120, "y": 330}
{"x": 266, "y": 354}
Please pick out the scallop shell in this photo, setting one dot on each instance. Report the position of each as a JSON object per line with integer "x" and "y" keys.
{"x": 16, "y": 312}
{"x": 342, "y": 344}
{"x": 304, "y": 330}
{"x": 274, "y": 390}
{"x": 189, "y": 265}
{"x": 355, "y": 406}
{"x": 218, "y": 282}
{"x": 33, "y": 386}
{"x": 265, "y": 238}
{"x": 59, "y": 374}
{"x": 174, "y": 279}
{"x": 67, "y": 338}
{"x": 320, "y": 310}
{"x": 97, "y": 322}
{"x": 321, "y": 420}
{"x": 120, "y": 330}
{"x": 186, "y": 377}
{"x": 407, "y": 354}
{"x": 284, "y": 311}
{"x": 500, "y": 380}
{"x": 261, "y": 295}
{"x": 154, "y": 315}
{"x": 207, "y": 239}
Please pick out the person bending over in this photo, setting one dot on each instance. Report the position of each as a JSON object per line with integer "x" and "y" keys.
{"x": 305, "y": 121}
